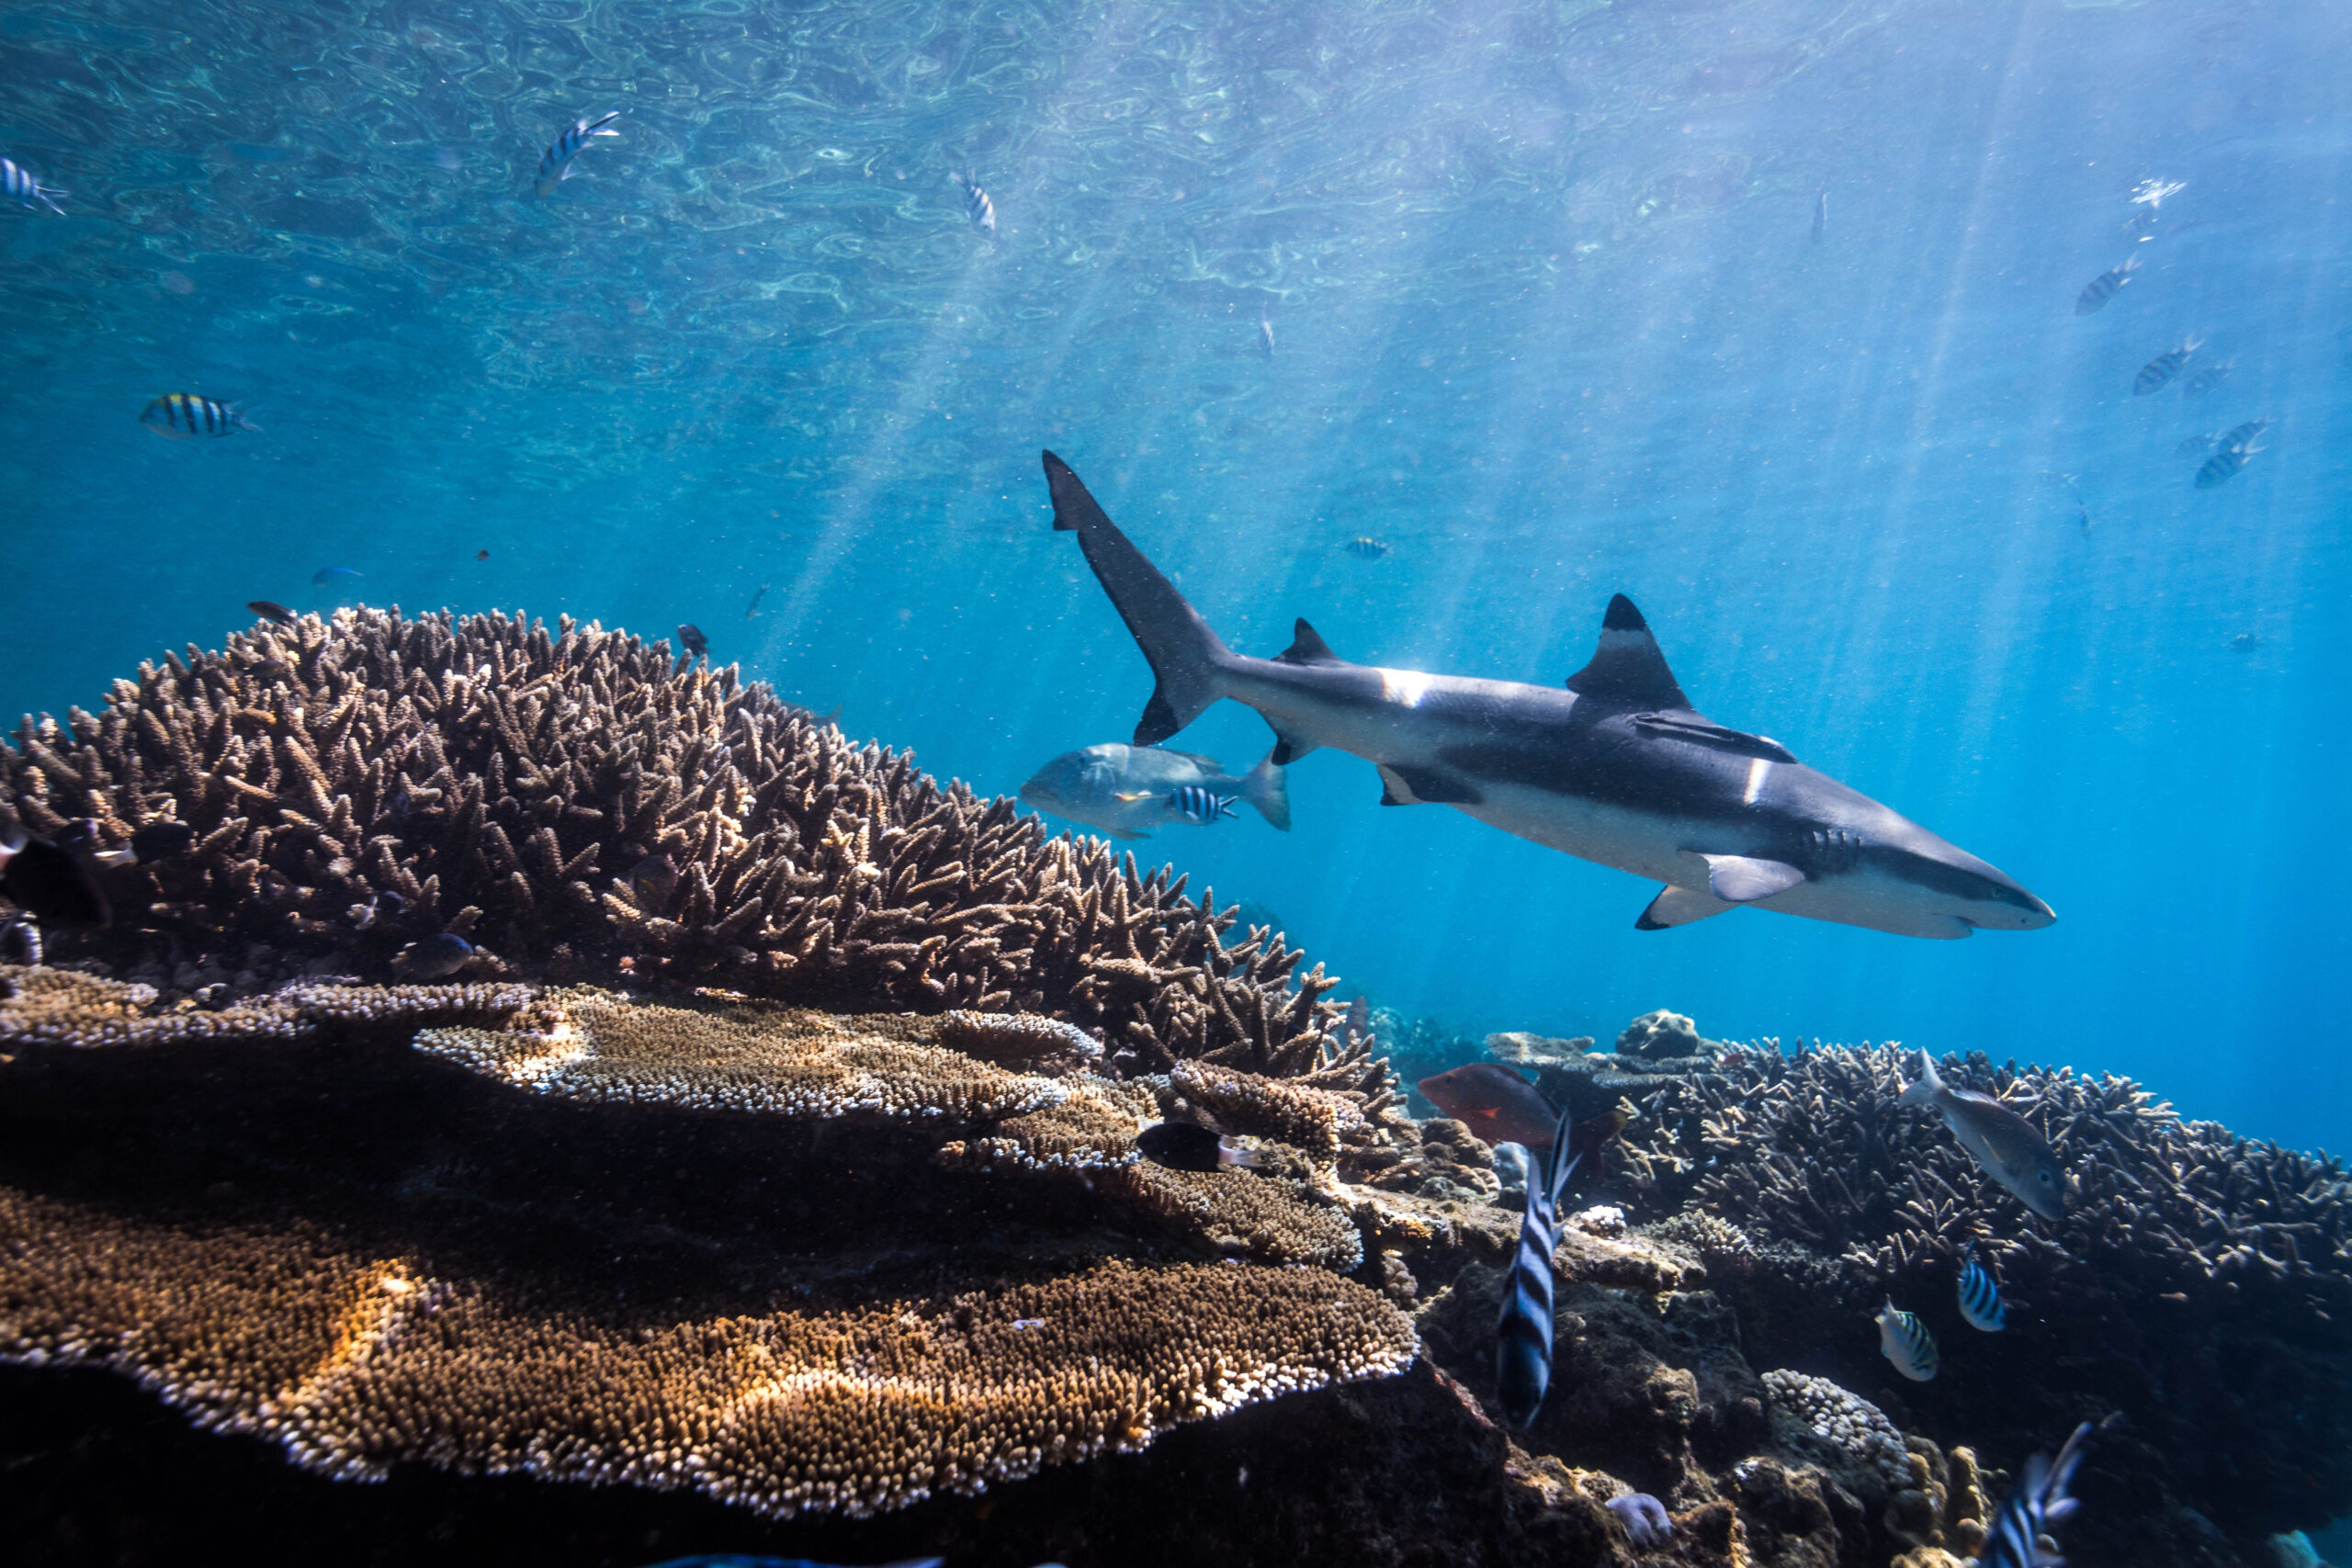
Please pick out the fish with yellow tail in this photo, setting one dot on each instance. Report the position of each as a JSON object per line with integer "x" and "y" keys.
{"x": 1523, "y": 1336}
{"x": 2004, "y": 1145}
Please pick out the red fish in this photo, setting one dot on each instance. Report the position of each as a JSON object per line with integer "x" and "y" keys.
{"x": 1494, "y": 1103}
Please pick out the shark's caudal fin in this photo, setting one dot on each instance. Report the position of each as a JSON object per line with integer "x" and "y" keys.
{"x": 1627, "y": 670}
{"x": 1267, "y": 787}
{"x": 1184, "y": 653}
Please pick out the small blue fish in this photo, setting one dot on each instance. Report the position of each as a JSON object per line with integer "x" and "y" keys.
{"x": 2100, "y": 290}
{"x": 183, "y": 416}
{"x": 328, "y": 576}
{"x": 1905, "y": 1341}
{"x": 976, "y": 205}
{"x": 1523, "y": 1333}
{"x": 555, "y": 163}
{"x": 433, "y": 957}
{"x": 2038, "y": 1501}
{"x": 1200, "y": 807}
{"x": 25, "y": 190}
{"x": 1980, "y": 1297}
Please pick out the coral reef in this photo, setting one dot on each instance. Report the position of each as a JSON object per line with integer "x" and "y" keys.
{"x": 578, "y": 804}
{"x": 62, "y": 1007}
{"x": 1852, "y": 1423}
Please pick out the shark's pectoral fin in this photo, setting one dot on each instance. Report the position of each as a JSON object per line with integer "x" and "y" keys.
{"x": 1740, "y": 879}
{"x": 1411, "y": 783}
{"x": 1680, "y": 906}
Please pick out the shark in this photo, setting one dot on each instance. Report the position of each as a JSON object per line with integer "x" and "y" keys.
{"x": 1615, "y": 766}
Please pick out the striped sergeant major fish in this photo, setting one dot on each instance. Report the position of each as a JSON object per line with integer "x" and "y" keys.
{"x": 2157, "y": 374}
{"x": 183, "y": 416}
{"x": 1904, "y": 1340}
{"x": 2100, "y": 290}
{"x": 1200, "y": 807}
{"x": 976, "y": 205}
{"x": 2236, "y": 448}
{"x": 26, "y": 190}
{"x": 1980, "y": 1296}
{"x": 2038, "y": 1501}
{"x": 1523, "y": 1336}
{"x": 555, "y": 163}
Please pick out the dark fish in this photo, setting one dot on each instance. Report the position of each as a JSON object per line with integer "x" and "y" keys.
{"x": 433, "y": 957}
{"x": 555, "y": 163}
{"x": 2236, "y": 449}
{"x": 2100, "y": 290}
{"x": 159, "y": 840}
{"x": 651, "y": 880}
{"x": 690, "y": 638}
{"x": 1193, "y": 804}
{"x": 183, "y": 416}
{"x": 976, "y": 205}
{"x": 481, "y": 555}
{"x": 25, "y": 190}
{"x": 270, "y": 610}
{"x": 1266, "y": 337}
{"x": 391, "y": 905}
{"x": 328, "y": 576}
{"x": 1523, "y": 1333}
{"x": 2205, "y": 380}
{"x": 52, "y": 885}
{"x": 752, "y": 610}
{"x": 1494, "y": 1103}
{"x": 2038, "y": 1501}
{"x": 2004, "y": 1145}
{"x": 1186, "y": 1146}
{"x": 2158, "y": 372}
{"x": 2246, "y": 642}
{"x": 1820, "y": 216}
{"x": 1366, "y": 547}
{"x": 1904, "y": 1340}
{"x": 2084, "y": 513}
{"x": 1980, "y": 1297}
{"x": 20, "y": 937}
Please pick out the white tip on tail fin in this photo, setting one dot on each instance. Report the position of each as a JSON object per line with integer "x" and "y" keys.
{"x": 1267, "y": 787}
{"x": 1928, "y": 1086}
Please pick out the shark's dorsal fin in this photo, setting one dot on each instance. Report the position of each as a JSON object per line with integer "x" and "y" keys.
{"x": 1307, "y": 647}
{"x": 1627, "y": 670}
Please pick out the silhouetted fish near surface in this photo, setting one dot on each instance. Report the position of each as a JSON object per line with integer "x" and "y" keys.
{"x": 25, "y": 190}
{"x": 1492, "y": 1101}
{"x": 1364, "y": 548}
{"x": 2237, "y": 447}
{"x": 433, "y": 957}
{"x": 1905, "y": 1341}
{"x": 270, "y": 610}
{"x": 1126, "y": 791}
{"x": 2158, "y": 372}
{"x": 555, "y": 163}
{"x": 2195, "y": 446}
{"x": 1524, "y": 1331}
{"x": 1266, "y": 337}
{"x": 334, "y": 577}
{"x": 2206, "y": 380}
{"x": 1820, "y": 216}
{"x": 1980, "y": 1296}
{"x": 481, "y": 555}
{"x": 52, "y": 885}
{"x": 2100, "y": 290}
{"x": 2004, "y": 1145}
{"x": 1186, "y": 1146}
{"x": 2246, "y": 642}
{"x": 183, "y": 416}
{"x": 2038, "y": 1501}
{"x": 976, "y": 205}
{"x": 690, "y": 638}
{"x": 752, "y": 610}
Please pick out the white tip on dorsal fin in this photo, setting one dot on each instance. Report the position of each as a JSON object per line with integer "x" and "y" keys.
{"x": 1680, "y": 907}
{"x": 1627, "y": 669}
{"x": 1739, "y": 879}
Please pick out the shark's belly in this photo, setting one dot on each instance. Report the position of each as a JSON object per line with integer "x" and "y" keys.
{"x": 1635, "y": 841}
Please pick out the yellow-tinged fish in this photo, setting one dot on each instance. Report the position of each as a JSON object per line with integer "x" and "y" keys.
{"x": 2006, "y": 1146}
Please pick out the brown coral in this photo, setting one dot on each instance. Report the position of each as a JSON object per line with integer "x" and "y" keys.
{"x": 353, "y": 1361}
{"x": 567, "y": 801}
{"x": 60, "y": 1007}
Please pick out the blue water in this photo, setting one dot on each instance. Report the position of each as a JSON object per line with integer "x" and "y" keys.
{"x": 1548, "y": 321}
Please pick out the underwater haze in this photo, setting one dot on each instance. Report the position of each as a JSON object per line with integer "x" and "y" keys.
{"x": 1763, "y": 313}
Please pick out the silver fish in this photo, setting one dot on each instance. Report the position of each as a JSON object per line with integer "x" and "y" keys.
{"x": 555, "y": 163}
{"x": 1523, "y": 1333}
{"x": 2100, "y": 290}
{"x": 1980, "y": 1297}
{"x": 1903, "y": 1340}
{"x": 26, "y": 190}
{"x": 2156, "y": 375}
{"x": 2004, "y": 1144}
{"x": 1126, "y": 791}
{"x": 2038, "y": 1501}
{"x": 976, "y": 205}
{"x": 1266, "y": 337}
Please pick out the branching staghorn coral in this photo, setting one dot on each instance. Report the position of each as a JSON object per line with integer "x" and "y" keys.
{"x": 577, "y": 803}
